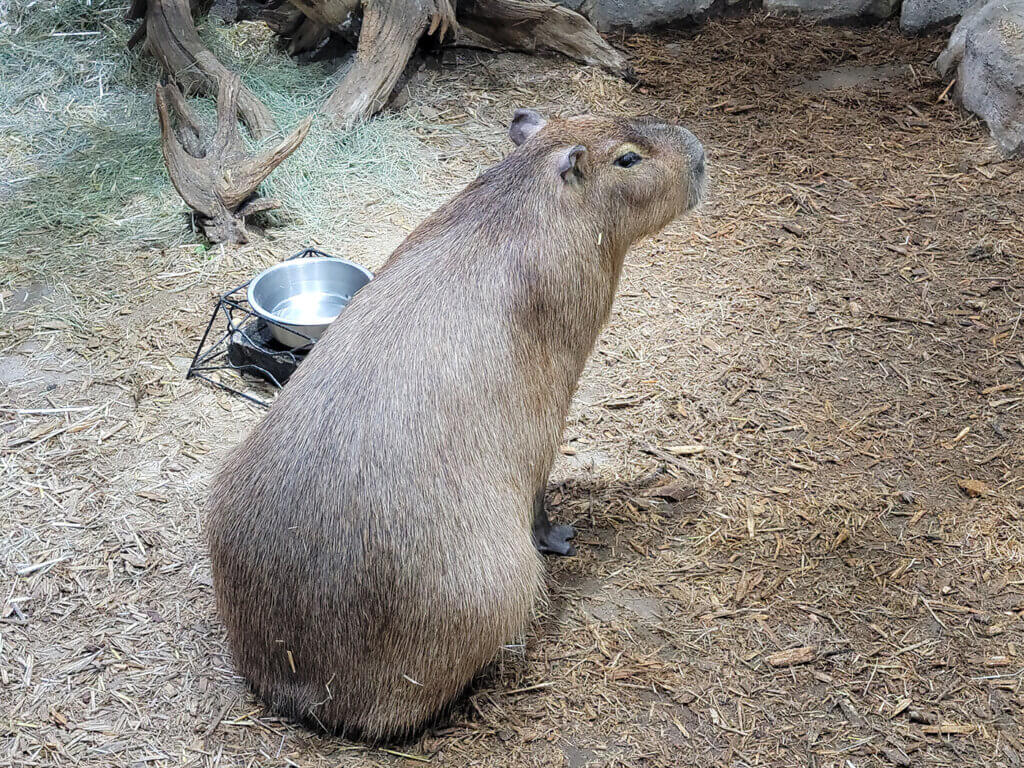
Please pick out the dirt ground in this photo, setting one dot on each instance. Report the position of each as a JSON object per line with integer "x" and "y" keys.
{"x": 796, "y": 460}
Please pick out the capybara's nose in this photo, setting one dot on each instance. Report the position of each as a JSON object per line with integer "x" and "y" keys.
{"x": 694, "y": 149}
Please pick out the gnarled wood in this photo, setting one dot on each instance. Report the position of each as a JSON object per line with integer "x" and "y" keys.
{"x": 330, "y": 13}
{"x": 539, "y": 25}
{"x": 387, "y": 32}
{"x": 308, "y": 36}
{"x": 214, "y": 175}
{"x": 392, "y": 28}
{"x": 171, "y": 37}
{"x": 390, "y": 31}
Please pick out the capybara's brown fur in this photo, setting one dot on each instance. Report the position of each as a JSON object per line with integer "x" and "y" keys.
{"x": 371, "y": 538}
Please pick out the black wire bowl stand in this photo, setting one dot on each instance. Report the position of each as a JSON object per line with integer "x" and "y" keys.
{"x": 237, "y": 344}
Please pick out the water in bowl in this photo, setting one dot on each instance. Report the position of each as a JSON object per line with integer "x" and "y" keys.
{"x": 311, "y": 308}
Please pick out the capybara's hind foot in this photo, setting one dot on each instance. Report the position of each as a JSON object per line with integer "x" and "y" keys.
{"x": 555, "y": 540}
{"x": 547, "y": 538}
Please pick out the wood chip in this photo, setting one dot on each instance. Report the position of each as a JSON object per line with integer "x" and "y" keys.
{"x": 674, "y": 490}
{"x": 686, "y": 450}
{"x": 792, "y": 656}
{"x": 949, "y": 729}
{"x": 973, "y": 488}
{"x": 152, "y": 496}
{"x": 997, "y": 661}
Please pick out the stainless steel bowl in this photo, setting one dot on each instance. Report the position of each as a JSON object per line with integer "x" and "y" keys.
{"x": 304, "y": 296}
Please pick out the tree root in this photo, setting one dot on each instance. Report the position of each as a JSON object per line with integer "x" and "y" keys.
{"x": 387, "y": 37}
{"x": 389, "y": 34}
{"x": 539, "y": 25}
{"x": 392, "y": 28}
{"x": 171, "y": 37}
{"x": 214, "y": 175}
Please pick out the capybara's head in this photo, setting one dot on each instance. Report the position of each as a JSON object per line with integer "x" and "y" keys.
{"x": 635, "y": 174}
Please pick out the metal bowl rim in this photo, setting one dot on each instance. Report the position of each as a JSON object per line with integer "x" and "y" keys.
{"x": 266, "y": 314}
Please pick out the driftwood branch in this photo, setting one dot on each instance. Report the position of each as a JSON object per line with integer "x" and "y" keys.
{"x": 301, "y": 31}
{"x": 386, "y": 34}
{"x": 214, "y": 175}
{"x": 390, "y": 31}
{"x": 392, "y": 28}
{"x": 539, "y": 25}
{"x": 308, "y": 36}
{"x": 171, "y": 37}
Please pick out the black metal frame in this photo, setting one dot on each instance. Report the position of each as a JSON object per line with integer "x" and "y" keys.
{"x": 212, "y": 356}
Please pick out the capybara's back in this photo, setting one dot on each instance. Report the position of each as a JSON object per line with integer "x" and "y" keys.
{"x": 374, "y": 539}
{"x": 369, "y": 558}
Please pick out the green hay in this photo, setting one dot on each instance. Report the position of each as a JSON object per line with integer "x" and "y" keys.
{"x": 80, "y": 162}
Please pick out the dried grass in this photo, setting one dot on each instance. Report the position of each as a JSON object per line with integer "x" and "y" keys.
{"x": 80, "y": 162}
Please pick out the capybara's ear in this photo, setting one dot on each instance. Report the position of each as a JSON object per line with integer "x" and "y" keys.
{"x": 525, "y": 123}
{"x": 570, "y": 162}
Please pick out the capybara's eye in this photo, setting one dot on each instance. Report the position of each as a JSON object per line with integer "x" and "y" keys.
{"x": 627, "y": 160}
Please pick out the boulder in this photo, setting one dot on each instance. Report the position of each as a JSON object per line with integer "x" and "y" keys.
{"x": 986, "y": 55}
{"x": 636, "y": 15}
{"x": 836, "y": 11}
{"x": 920, "y": 15}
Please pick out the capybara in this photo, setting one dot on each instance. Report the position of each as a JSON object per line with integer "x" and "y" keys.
{"x": 375, "y": 538}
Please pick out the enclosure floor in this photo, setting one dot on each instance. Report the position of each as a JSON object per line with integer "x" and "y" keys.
{"x": 839, "y": 330}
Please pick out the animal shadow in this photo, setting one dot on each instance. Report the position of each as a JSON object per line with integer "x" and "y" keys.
{"x": 616, "y": 521}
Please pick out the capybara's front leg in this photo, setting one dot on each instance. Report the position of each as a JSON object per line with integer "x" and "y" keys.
{"x": 550, "y": 539}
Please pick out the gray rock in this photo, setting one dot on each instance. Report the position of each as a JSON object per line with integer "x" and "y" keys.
{"x": 609, "y": 15}
{"x": 919, "y": 15}
{"x": 987, "y": 51}
{"x": 836, "y": 11}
